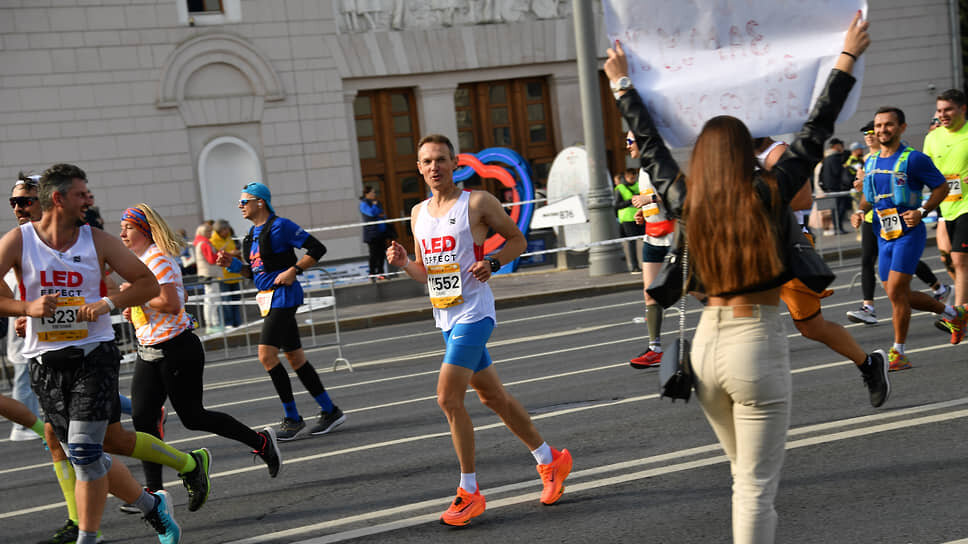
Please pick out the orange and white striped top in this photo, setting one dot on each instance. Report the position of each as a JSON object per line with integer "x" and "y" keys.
{"x": 152, "y": 326}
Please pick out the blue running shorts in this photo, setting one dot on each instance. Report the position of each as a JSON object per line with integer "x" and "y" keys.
{"x": 901, "y": 254}
{"x": 466, "y": 345}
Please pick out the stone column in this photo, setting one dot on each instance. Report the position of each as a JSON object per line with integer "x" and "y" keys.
{"x": 565, "y": 94}
{"x": 436, "y": 109}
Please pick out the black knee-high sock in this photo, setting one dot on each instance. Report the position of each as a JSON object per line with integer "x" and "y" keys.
{"x": 280, "y": 380}
{"x": 310, "y": 380}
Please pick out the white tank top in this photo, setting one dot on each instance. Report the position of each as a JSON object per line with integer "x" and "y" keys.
{"x": 654, "y": 212}
{"x": 74, "y": 276}
{"x": 449, "y": 251}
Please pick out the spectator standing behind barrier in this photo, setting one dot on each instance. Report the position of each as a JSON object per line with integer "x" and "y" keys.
{"x": 269, "y": 251}
{"x": 23, "y": 200}
{"x": 740, "y": 358}
{"x": 834, "y": 178}
{"x": 375, "y": 236}
{"x": 205, "y": 256}
{"x": 222, "y": 240}
{"x": 187, "y": 257}
{"x": 171, "y": 359}
{"x": 854, "y": 162}
{"x": 625, "y": 210}
{"x": 92, "y": 215}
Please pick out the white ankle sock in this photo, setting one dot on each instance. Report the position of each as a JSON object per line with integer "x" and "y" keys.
{"x": 656, "y": 348}
{"x": 949, "y": 311}
{"x": 542, "y": 455}
{"x": 468, "y": 482}
{"x": 899, "y": 348}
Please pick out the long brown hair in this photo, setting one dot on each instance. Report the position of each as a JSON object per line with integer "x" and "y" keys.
{"x": 731, "y": 238}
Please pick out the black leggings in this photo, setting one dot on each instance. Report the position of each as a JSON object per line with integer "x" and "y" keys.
{"x": 868, "y": 259}
{"x": 178, "y": 376}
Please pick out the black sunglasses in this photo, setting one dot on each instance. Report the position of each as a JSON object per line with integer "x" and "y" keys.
{"x": 22, "y": 201}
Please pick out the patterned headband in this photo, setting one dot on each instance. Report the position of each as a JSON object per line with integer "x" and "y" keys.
{"x": 137, "y": 218}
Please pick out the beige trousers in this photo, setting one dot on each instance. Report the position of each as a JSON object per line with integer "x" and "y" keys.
{"x": 741, "y": 360}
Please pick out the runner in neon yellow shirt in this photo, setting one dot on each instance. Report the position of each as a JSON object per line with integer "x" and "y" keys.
{"x": 948, "y": 148}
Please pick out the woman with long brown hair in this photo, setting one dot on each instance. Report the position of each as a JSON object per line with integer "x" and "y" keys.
{"x": 733, "y": 214}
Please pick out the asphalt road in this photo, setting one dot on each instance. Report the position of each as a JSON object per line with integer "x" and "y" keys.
{"x": 645, "y": 469}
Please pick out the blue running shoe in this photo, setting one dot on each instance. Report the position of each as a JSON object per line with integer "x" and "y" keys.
{"x": 162, "y": 519}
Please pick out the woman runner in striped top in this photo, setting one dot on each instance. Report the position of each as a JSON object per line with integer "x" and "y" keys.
{"x": 171, "y": 360}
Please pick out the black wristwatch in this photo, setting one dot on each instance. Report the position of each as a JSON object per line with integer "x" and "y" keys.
{"x": 495, "y": 264}
{"x": 298, "y": 268}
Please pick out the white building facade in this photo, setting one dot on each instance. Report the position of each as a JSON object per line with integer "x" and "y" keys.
{"x": 179, "y": 103}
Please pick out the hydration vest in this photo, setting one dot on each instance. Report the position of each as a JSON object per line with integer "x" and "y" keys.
{"x": 900, "y": 194}
{"x": 270, "y": 261}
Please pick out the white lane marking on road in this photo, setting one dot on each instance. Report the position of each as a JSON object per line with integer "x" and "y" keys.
{"x": 419, "y": 519}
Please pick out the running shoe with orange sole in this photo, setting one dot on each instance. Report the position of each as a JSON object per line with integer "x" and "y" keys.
{"x": 897, "y": 361}
{"x": 465, "y": 506}
{"x": 553, "y": 476}
{"x": 957, "y": 324}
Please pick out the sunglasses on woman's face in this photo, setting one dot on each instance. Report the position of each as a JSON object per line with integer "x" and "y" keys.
{"x": 22, "y": 201}
{"x": 629, "y": 141}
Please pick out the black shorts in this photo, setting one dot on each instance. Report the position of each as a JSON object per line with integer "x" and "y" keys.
{"x": 652, "y": 253}
{"x": 83, "y": 390}
{"x": 958, "y": 232}
{"x": 280, "y": 330}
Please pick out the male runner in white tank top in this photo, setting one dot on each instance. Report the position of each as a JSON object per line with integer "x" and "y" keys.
{"x": 449, "y": 231}
{"x": 70, "y": 342}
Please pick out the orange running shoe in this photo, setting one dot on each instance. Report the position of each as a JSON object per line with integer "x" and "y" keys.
{"x": 464, "y": 507}
{"x": 553, "y": 476}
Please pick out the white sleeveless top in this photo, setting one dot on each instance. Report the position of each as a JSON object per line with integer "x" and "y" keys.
{"x": 74, "y": 276}
{"x": 449, "y": 251}
{"x": 654, "y": 212}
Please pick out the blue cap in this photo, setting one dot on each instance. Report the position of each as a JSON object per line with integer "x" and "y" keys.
{"x": 259, "y": 190}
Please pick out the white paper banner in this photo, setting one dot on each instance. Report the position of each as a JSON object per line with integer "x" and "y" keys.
{"x": 762, "y": 61}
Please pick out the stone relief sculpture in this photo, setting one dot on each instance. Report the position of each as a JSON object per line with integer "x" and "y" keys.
{"x": 383, "y": 15}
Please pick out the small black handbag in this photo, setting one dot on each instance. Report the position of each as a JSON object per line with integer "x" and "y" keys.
{"x": 667, "y": 287}
{"x": 675, "y": 372}
{"x": 802, "y": 260}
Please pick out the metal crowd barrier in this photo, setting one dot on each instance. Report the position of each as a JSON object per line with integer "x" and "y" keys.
{"x": 197, "y": 300}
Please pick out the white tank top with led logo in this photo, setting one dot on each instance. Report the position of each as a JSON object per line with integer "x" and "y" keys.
{"x": 449, "y": 251}
{"x": 74, "y": 275}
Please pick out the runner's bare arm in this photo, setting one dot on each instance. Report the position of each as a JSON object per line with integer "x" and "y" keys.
{"x": 397, "y": 255}
{"x": 167, "y": 300}
{"x": 143, "y": 287}
{"x": 493, "y": 216}
{"x": 10, "y": 249}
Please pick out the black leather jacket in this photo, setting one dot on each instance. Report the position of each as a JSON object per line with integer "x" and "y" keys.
{"x": 791, "y": 171}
